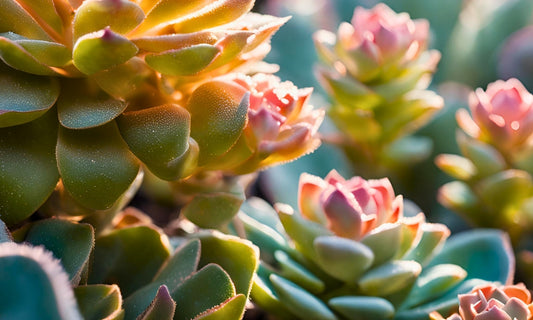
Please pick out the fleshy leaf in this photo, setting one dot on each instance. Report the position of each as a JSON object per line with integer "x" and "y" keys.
{"x": 34, "y": 285}
{"x": 29, "y": 169}
{"x": 299, "y": 301}
{"x": 295, "y": 272}
{"x": 232, "y": 308}
{"x": 24, "y": 97}
{"x": 162, "y": 307}
{"x": 183, "y": 62}
{"x": 158, "y": 136}
{"x": 121, "y": 16}
{"x": 95, "y": 165}
{"x": 82, "y": 105}
{"x": 509, "y": 187}
{"x": 16, "y": 56}
{"x": 458, "y": 196}
{"x": 486, "y": 159}
{"x": 206, "y": 289}
{"x": 211, "y": 210}
{"x": 362, "y": 308}
{"x": 14, "y": 18}
{"x": 389, "y": 278}
{"x": 99, "y": 301}
{"x": 432, "y": 240}
{"x": 101, "y": 50}
{"x": 72, "y": 243}
{"x": 45, "y": 14}
{"x": 342, "y": 258}
{"x": 484, "y": 254}
{"x": 128, "y": 257}
{"x": 384, "y": 242}
{"x": 238, "y": 257}
{"x": 218, "y": 116}
{"x": 171, "y": 274}
{"x": 456, "y": 166}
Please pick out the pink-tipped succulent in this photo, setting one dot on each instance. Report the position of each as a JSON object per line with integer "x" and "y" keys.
{"x": 492, "y": 302}
{"x": 376, "y": 69}
{"x": 502, "y": 115}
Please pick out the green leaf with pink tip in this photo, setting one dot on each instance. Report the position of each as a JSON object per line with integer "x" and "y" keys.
{"x": 211, "y": 210}
{"x": 129, "y": 257}
{"x": 384, "y": 242}
{"x": 218, "y": 116}
{"x": 456, "y": 166}
{"x": 295, "y": 272}
{"x": 506, "y": 189}
{"x": 162, "y": 307}
{"x": 362, "y": 308}
{"x": 99, "y": 302}
{"x": 485, "y": 254}
{"x": 299, "y": 301}
{"x": 182, "y": 264}
{"x": 302, "y": 231}
{"x": 72, "y": 243}
{"x": 232, "y": 308}
{"x": 121, "y": 16}
{"x": 14, "y": 18}
{"x": 342, "y": 258}
{"x": 389, "y": 278}
{"x": 158, "y": 136}
{"x": 183, "y": 62}
{"x": 432, "y": 283}
{"x": 28, "y": 167}
{"x": 102, "y": 50}
{"x": 95, "y": 165}
{"x": 24, "y": 97}
{"x": 238, "y": 257}
{"x": 83, "y": 105}
{"x": 206, "y": 289}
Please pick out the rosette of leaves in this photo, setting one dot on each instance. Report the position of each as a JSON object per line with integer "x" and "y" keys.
{"x": 132, "y": 274}
{"x": 494, "y": 186}
{"x": 349, "y": 253}
{"x": 92, "y": 89}
{"x": 375, "y": 70}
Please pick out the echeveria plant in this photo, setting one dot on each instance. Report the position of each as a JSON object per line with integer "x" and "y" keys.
{"x": 375, "y": 71}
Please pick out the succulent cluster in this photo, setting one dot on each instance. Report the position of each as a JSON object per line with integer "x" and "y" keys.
{"x": 494, "y": 187}
{"x": 132, "y": 272}
{"x": 350, "y": 253}
{"x": 375, "y": 72}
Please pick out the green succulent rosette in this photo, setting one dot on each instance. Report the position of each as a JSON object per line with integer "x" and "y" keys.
{"x": 350, "y": 253}
{"x": 92, "y": 91}
{"x": 375, "y": 71}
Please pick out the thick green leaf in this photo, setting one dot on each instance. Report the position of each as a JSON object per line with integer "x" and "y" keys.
{"x": 121, "y": 16}
{"x": 72, "y": 243}
{"x": 99, "y": 301}
{"x": 166, "y": 11}
{"x": 342, "y": 258}
{"x": 128, "y": 257}
{"x": 231, "y": 309}
{"x": 16, "y": 56}
{"x": 183, "y": 62}
{"x": 263, "y": 295}
{"x": 158, "y": 136}
{"x": 458, "y": 196}
{"x": 506, "y": 189}
{"x": 206, "y": 289}
{"x": 211, "y": 210}
{"x": 432, "y": 240}
{"x": 295, "y": 272}
{"x": 14, "y": 18}
{"x": 484, "y": 254}
{"x": 83, "y": 105}
{"x": 48, "y": 53}
{"x": 299, "y": 301}
{"x": 218, "y": 116}
{"x": 389, "y": 278}
{"x": 384, "y": 242}
{"x": 238, "y": 257}
{"x": 456, "y": 166}
{"x": 28, "y": 170}
{"x": 24, "y": 97}
{"x": 95, "y": 165}
{"x": 172, "y": 274}
{"x": 263, "y": 212}
{"x": 362, "y": 308}
{"x": 161, "y": 308}
{"x": 485, "y": 157}
{"x": 34, "y": 285}
{"x": 46, "y": 11}
{"x": 102, "y": 50}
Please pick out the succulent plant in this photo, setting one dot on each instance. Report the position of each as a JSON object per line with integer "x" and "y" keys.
{"x": 375, "y": 71}
{"x": 132, "y": 273}
{"x": 92, "y": 89}
{"x": 350, "y": 253}
{"x": 493, "y": 302}
{"x": 494, "y": 186}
